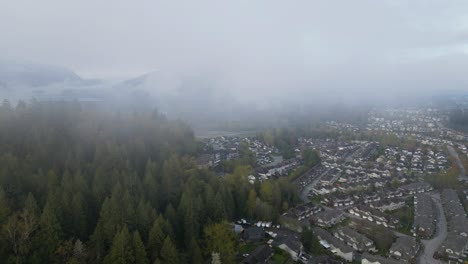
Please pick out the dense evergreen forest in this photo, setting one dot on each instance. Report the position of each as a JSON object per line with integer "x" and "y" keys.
{"x": 82, "y": 185}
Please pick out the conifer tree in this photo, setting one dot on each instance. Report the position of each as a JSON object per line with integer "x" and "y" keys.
{"x": 169, "y": 254}
{"x": 49, "y": 232}
{"x": 195, "y": 252}
{"x": 139, "y": 249}
{"x": 4, "y": 207}
{"x": 121, "y": 251}
{"x": 156, "y": 238}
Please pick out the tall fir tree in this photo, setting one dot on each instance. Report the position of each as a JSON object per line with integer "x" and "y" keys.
{"x": 169, "y": 254}
{"x": 156, "y": 238}
{"x": 121, "y": 251}
{"x": 139, "y": 249}
{"x": 4, "y": 207}
{"x": 195, "y": 252}
{"x": 49, "y": 233}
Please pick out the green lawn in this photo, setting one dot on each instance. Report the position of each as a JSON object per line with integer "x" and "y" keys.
{"x": 316, "y": 199}
{"x": 279, "y": 257}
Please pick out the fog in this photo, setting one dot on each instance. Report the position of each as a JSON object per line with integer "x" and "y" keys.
{"x": 257, "y": 52}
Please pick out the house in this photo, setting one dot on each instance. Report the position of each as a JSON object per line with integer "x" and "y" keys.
{"x": 456, "y": 244}
{"x": 454, "y": 247}
{"x": 293, "y": 224}
{"x": 260, "y": 255}
{"x": 206, "y": 161}
{"x": 367, "y": 258}
{"x": 392, "y": 193}
{"x": 451, "y": 203}
{"x": 370, "y": 197}
{"x": 374, "y": 215}
{"x": 291, "y": 243}
{"x": 455, "y": 213}
{"x": 304, "y": 211}
{"x": 423, "y": 225}
{"x": 297, "y": 218}
{"x": 415, "y": 188}
{"x": 404, "y": 249}
{"x": 354, "y": 239}
{"x": 388, "y": 204}
{"x": 254, "y": 234}
{"x": 328, "y": 218}
{"x": 458, "y": 225}
{"x": 336, "y": 246}
{"x": 330, "y": 177}
{"x": 279, "y": 169}
{"x": 323, "y": 260}
{"x": 338, "y": 200}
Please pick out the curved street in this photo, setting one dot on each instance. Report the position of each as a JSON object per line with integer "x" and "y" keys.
{"x": 431, "y": 245}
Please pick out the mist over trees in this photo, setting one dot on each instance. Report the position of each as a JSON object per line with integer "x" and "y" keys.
{"x": 82, "y": 185}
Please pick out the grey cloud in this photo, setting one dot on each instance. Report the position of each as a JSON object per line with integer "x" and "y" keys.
{"x": 254, "y": 50}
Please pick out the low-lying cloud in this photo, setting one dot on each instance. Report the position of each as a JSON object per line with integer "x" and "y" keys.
{"x": 258, "y": 51}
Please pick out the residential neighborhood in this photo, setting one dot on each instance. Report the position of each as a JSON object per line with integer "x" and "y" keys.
{"x": 234, "y": 132}
{"x": 367, "y": 200}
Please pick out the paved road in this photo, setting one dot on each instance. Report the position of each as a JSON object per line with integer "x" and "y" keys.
{"x": 309, "y": 187}
{"x": 454, "y": 154}
{"x": 431, "y": 246}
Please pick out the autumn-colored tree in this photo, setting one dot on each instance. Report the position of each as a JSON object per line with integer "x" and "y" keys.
{"x": 220, "y": 238}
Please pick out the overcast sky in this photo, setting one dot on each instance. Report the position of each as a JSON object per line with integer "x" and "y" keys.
{"x": 284, "y": 47}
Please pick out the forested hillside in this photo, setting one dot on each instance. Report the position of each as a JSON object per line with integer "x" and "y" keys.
{"x": 79, "y": 185}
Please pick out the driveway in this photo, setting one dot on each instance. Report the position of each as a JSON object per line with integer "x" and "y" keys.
{"x": 431, "y": 246}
